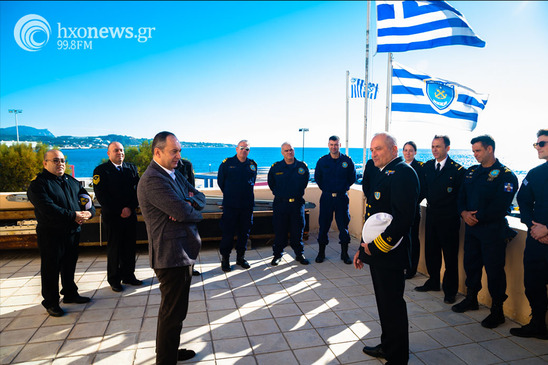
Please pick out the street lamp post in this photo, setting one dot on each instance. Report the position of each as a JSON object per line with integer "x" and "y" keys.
{"x": 16, "y": 111}
{"x": 304, "y": 130}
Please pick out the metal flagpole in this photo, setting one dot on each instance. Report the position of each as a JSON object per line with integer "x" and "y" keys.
{"x": 388, "y": 94}
{"x": 366, "y": 81}
{"x": 347, "y": 76}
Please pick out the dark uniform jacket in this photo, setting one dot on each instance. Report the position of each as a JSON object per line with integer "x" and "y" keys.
{"x": 236, "y": 180}
{"x": 116, "y": 190}
{"x": 442, "y": 189}
{"x": 418, "y": 166}
{"x": 335, "y": 175}
{"x": 173, "y": 237}
{"x": 54, "y": 207}
{"x": 288, "y": 181}
{"x": 186, "y": 169}
{"x": 393, "y": 190}
{"x": 490, "y": 191}
{"x": 533, "y": 196}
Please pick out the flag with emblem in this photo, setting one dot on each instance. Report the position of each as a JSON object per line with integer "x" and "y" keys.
{"x": 409, "y": 25}
{"x": 417, "y": 97}
{"x": 357, "y": 89}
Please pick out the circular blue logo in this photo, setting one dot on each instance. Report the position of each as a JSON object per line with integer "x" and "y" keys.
{"x": 253, "y": 167}
{"x": 345, "y": 164}
{"x": 300, "y": 170}
{"x": 29, "y": 29}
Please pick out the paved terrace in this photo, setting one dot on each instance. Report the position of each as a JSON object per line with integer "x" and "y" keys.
{"x": 289, "y": 314}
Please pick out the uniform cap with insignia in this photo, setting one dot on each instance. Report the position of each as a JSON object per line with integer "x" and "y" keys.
{"x": 375, "y": 225}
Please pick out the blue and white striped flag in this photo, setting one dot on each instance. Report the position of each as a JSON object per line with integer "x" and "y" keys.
{"x": 409, "y": 25}
{"x": 357, "y": 89}
{"x": 417, "y": 97}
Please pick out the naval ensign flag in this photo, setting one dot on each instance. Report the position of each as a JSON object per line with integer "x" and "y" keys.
{"x": 417, "y": 97}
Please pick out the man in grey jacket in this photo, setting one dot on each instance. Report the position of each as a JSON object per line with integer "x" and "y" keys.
{"x": 170, "y": 207}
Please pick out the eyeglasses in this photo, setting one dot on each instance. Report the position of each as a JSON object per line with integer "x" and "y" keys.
{"x": 289, "y": 150}
{"x": 243, "y": 148}
{"x": 540, "y": 144}
{"x": 57, "y": 160}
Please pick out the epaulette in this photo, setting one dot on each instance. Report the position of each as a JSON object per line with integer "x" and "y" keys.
{"x": 457, "y": 165}
{"x": 252, "y": 161}
{"x": 420, "y": 163}
{"x": 225, "y": 160}
{"x": 274, "y": 164}
{"x": 304, "y": 163}
{"x": 34, "y": 178}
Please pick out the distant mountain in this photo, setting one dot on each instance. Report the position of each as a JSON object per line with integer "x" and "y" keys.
{"x": 30, "y": 134}
{"x": 24, "y": 131}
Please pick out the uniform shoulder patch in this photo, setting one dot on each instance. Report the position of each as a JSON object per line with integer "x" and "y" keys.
{"x": 96, "y": 179}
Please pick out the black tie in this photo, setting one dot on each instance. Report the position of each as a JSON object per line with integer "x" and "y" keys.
{"x": 438, "y": 168}
{"x": 119, "y": 168}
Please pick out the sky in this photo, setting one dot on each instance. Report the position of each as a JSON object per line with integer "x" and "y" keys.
{"x": 226, "y": 71}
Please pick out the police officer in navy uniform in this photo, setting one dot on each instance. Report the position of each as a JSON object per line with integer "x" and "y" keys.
{"x": 442, "y": 181}
{"x": 115, "y": 185}
{"x": 393, "y": 189}
{"x": 61, "y": 206}
{"x": 533, "y": 207}
{"x": 484, "y": 201}
{"x": 409, "y": 153}
{"x": 335, "y": 173}
{"x": 236, "y": 179}
{"x": 288, "y": 180}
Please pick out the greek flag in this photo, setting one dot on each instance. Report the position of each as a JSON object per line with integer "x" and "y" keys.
{"x": 409, "y": 25}
{"x": 417, "y": 97}
{"x": 357, "y": 89}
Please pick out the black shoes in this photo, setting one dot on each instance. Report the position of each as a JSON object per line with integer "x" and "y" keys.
{"x": 195, "y": 273}
{"x": 303, "y": 260}
{"x": 321, "y": 254}
{"x": 55, "y": 311}
{"x": 409, "y": 274}
{"x": 450, "y": 299}
{"x": 225, "y": 264}
{"x": 134, "y": 282}
{"x": 344, "y": 254}
{"x": 428, "y": 286}
{"x": 74, "y": 299}
{"x": 276, "y": 260}
{"x": 242, "y": 262}
{"x": 468, "y": 304}
{"x": 376, "y": 351}
{"x": 184, "y": 354}
{"x": 536, "y": 330}
{"x": 117, "y": 288}
{"x": 495, "y": 318}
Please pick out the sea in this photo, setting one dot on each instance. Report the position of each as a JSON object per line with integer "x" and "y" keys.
{"x": 206, "y": 159}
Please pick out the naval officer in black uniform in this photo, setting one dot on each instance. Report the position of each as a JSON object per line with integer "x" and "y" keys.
{"x": 393, "y": 189}
{"x": 335, "y": 173}
{"x": 61, "y": 206}
{"x": 533, "y": 206}
{"x": 288, "y": 180}
{"x": 236, "y": 179}
{"x": 484, "y": 201}
{"x": 409, "y": 152}
{"x": 442, "y": 180}
{"x": 115, "y": 185}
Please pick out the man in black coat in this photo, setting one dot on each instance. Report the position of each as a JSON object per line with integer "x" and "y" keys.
{"x": 115, "y": 185}
{"x": 533, "y": 207}
{"x": 61, "y": 206}
{"x": 443, "y": 178}
{"x": 393, "y": 189}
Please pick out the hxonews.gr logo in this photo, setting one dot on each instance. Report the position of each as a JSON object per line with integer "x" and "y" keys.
{"x": 32, "y": 32}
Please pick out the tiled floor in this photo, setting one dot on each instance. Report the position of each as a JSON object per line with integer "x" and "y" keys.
{"x": 289, "y": 314}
